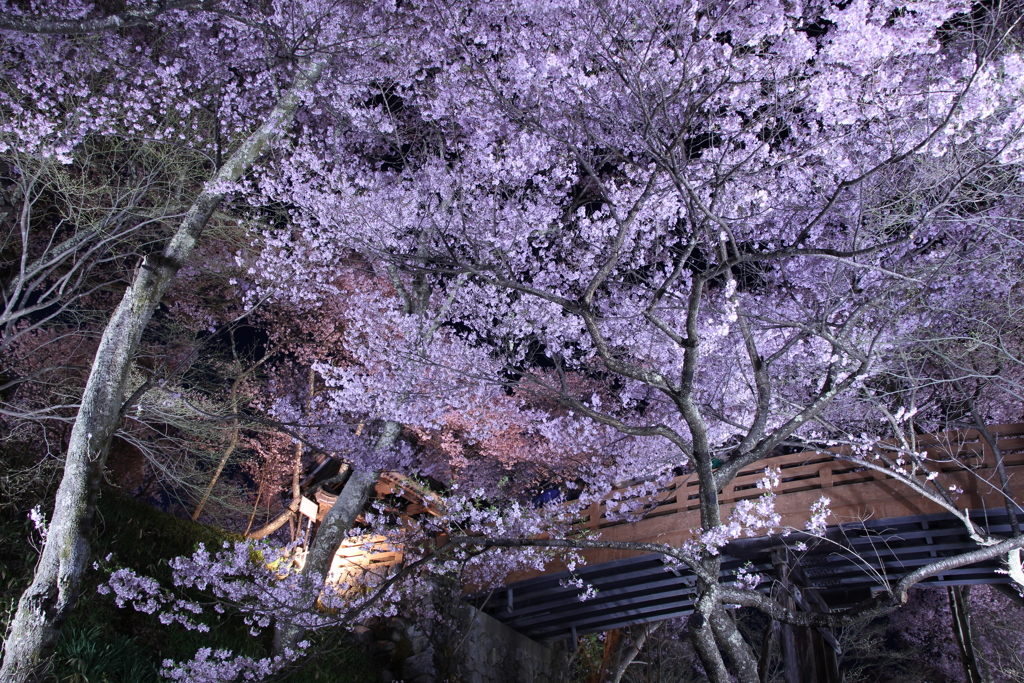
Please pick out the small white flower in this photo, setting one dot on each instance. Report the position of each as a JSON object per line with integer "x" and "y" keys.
{"x": 39, "y": 521}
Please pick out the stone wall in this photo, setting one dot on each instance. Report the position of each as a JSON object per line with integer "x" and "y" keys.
{"x": 491, "y": 652}
{"x": 459, "y": 644}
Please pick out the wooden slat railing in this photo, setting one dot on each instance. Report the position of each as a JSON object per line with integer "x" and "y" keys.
{"x": 962, "y": 458}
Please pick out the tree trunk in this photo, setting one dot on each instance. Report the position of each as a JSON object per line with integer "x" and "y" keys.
{"x": 46, "y": 603}
{"x": 285, "y": 517}
{"x": 289, "y": 513}
{"x": 627, "y": 654}
{"x": 731, "y": 641}
{"x": 959, "y": 606}
{"x": 703, "y": 637}
{"x": 707, "y": 649}
{"x": 331, "y": 534}
{"x": 1004, "y": 479}
{"x": 228, "y": 452}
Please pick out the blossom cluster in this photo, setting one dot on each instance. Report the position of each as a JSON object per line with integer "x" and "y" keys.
{"x": 261, "y": 583}
{"x": 748, "y": 518}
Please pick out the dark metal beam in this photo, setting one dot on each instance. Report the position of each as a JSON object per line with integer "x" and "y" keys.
{"x": 860, "y": 558}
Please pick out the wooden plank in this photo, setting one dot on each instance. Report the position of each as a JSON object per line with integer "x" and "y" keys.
{"x": 876, "y": 499}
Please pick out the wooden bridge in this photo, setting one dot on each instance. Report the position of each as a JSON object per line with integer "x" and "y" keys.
{"x": 881, "y": 530}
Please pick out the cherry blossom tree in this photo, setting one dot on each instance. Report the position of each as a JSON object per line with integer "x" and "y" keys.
{"x": 731, "y": 218}
{"x": 611, "y": 238}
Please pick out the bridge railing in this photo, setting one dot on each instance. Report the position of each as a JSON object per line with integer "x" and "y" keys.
{"x": 951, "y": 452}
{"x": 962, "y": 457}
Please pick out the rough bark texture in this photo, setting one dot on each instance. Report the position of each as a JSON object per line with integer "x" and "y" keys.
{"x": 731, "y": 641}
{"x": 46, "y": 603}
{"x": 333, "y": 531}
{"x": 707, "y": 649}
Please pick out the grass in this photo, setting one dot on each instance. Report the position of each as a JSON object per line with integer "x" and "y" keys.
{"x": 88, "y": 655}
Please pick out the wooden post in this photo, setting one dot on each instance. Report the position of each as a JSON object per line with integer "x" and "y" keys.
{"x": 808, "y": 654}
{"x": 788, "y": 645}
{"x": 610, "y": 660}
{"x": 766, "y": 651}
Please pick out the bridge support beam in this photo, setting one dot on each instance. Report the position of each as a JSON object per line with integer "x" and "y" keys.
{"x": 809, "y": 655}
